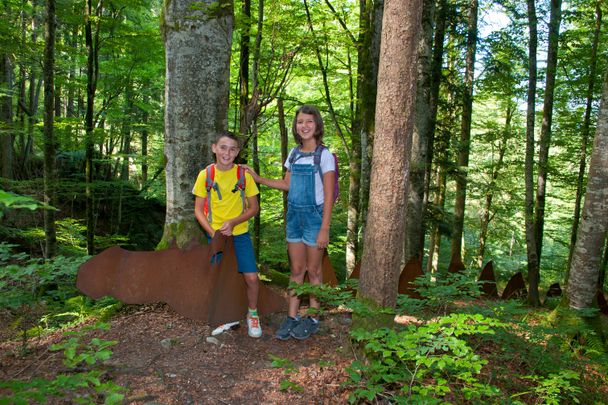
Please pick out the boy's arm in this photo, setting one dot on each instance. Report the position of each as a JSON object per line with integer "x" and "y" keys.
{"x": 199, "y": 213}
{"x": 252, "y": 209}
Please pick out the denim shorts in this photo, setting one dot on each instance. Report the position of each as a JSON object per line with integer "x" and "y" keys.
{"x": 243, "y": 250}
{"x": 304, "y": 224}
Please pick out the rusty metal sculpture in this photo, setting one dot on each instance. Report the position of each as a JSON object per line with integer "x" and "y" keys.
{"x": 487, "y": 281}
{"x": 411, "y": 271}
{"x": 516, "y": 287}
{"x": 184, "y": 279}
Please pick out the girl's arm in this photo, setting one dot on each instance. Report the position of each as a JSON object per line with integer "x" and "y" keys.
{"x": 280, "y": 184}
{"x": 329, "y": 179}
{"x": 199, "y": 213}
{"x": 252, "y": 209}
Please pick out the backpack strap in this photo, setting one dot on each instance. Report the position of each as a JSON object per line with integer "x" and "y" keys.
{"x": 241, "y": 182}
{"x": 317, "y": 159}
{"x": 210, "y": 184}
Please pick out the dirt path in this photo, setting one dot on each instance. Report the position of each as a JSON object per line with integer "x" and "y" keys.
{"x": 163, "y": 358}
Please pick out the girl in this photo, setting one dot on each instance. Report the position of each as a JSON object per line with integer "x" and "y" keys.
{"x": 310, "y": 182}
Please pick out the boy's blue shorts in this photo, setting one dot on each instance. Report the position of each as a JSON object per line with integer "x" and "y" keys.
{"x": 243, "y": 250}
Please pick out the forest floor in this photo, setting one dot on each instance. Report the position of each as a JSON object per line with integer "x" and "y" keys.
{"x": 164, "y": 358}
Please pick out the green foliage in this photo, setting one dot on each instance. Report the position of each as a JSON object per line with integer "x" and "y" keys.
{"x": 76, "y": 352}
{"x": 556, "y": 388}
{"x": 26, "y": 280}
{"x": 77, "y": 387}
{"x": 15, "y": 201}
{"x": 421, "y": 362}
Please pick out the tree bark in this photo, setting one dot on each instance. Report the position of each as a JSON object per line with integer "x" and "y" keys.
{"x": 362, "y": 124}
{"x": 197, "y": 51}
{"x": 585, "y": 133}
{"x": 414, "y": 213}
{"x": 92, "y": 44}
{"x": 50, "y": 144}
{"x": 464, "y": 146}
{"x": 367, "y": 111}
{"x": 545, "y": 137}
{"x": 6, "y": 115}
{"x": 533, "y": 264}
{"x": 587, "y": 257}
{"x": 395, "y": 107}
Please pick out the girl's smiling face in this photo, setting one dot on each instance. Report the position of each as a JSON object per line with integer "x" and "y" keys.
{"x": 306, "y": 126}
{"x": 225, "y": 150}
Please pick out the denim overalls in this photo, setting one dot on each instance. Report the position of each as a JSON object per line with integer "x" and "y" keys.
{"x": 304, "y": 216}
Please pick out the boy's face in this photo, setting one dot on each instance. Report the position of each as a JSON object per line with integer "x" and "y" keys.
{"x": 225, "y": 151}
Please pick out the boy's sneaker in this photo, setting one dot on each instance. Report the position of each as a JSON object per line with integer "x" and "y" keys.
{"x": 284, "y": 332}
{"x": 305, "y": 328}
{"x": 253, "y": 326}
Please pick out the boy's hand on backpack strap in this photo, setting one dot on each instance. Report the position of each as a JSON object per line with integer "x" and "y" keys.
{"x": 323, "y": 238}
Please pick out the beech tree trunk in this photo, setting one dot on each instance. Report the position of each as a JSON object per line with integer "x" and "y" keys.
{"x": 533, "y": 265}
{"x": 395, "y": 109}
{"x": 585, "y": 132}
{"x": 367, "y": 113}
{"x": 545, "y": 141}
{"x": 92, "y": 44}
{"x": 197, "y": 50}
{"x": 363, "y": 122}
{"x": 6, "y": 115}
{"x": 587, "y": 257}
{"x": 414, "y": 213}
{"x": 464, "y": 146}
{"x": 50, "y": 144}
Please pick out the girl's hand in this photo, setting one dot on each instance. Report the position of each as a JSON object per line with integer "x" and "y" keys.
{"x": 323, "y": 238}
{"x": 256, "y": 177}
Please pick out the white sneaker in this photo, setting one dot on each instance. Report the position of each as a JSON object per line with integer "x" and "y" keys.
{"x": 253, "y": 326}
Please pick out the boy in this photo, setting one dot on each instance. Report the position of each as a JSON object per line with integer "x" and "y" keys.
{"x": 228, "y": 210}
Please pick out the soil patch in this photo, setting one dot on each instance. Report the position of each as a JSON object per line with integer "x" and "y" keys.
{"x": 164, "y": 358}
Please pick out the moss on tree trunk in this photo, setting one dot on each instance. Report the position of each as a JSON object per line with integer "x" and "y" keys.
{"x": 182, "y": 234}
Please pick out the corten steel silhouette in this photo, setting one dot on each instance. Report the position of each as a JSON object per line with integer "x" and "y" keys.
{"x": 601, "y": 302}
{"x": 487, "y": 281}
{"x": 516, "y": 287}
{"x": 186, "y": 280}
{"x": 456, "y": 265}
{"x": 410, "y": 272}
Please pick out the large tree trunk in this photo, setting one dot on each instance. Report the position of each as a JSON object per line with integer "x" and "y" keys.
{"x": 545, "y": 142}
{"x": 395, "y": 108}
{"x": 533, "y": 265}
{"x": 464, "y": 146}
{"x": 197, "y": 51}
{"x": 587, "y": 258}
{"x": 585, "y": 132}
{"x": 414, "y": 213}
{"x": 92, "y": 43}
{"x": 362, "y": 125}
{"x": 6, "y": 116}
{"x": 50, "y": 144}
{"x": 367, "y": 114}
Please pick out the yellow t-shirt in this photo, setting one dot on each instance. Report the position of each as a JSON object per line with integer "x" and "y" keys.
{"x": 231, "y": 204}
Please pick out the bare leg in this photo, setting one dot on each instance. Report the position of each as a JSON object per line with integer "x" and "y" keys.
{"x": 253, "y": 287}
{"x": 297, "y": 255}
{"x": 314, "y": 260}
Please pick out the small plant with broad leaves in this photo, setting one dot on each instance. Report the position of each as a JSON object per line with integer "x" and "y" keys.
{"x": 556, "y": 388}
{"x": 422, "y": 362}
{"x": 84, "y": 387}
{"x": 289, "y": 367}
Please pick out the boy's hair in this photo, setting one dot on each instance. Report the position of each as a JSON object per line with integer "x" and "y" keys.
{"x": 229, "y": 135}
{"x": 314, "y": 111}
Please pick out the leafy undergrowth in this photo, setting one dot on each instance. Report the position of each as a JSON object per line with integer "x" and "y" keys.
{"x": 450, "y": 346}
